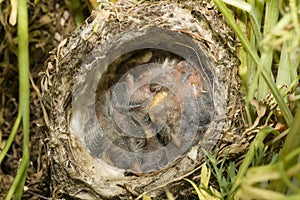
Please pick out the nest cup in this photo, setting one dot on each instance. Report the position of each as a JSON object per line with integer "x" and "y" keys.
{"x": 196, "y": 106}
{"x": 133, "y": 100}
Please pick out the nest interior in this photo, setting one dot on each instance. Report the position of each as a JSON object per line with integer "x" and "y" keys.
{"x": 82, "y": 86}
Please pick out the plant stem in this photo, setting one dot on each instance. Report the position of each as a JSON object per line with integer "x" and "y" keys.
{"x": 24, "y": 97}
{"x": 11, "y": 137}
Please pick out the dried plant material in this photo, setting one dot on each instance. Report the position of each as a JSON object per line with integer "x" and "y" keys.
{"x": 14, "y": 12}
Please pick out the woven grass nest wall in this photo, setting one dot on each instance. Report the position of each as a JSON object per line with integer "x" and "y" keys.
{"x": 134, "y": 96}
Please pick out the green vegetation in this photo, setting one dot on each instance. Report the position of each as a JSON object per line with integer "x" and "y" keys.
{"x": 269, "y": 33}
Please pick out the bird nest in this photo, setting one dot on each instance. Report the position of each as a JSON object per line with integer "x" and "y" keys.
{"x": 134, "y": 97}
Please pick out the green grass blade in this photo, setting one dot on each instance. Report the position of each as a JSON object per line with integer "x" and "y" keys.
{"x": 24, "y": 98}
{"x": 292, "y": 142}
{"x": 294, "y": 5}
{"x": 169, "y": 195}
{"x": 195, "y": 187}
{"x": 251, "y": 51}
{"x": 239, "y": 4}
{"x": 146, "y": 197}
{"x": 259, "y": 193}
{"x": 251, "y": 11}
{"x": 258, "y": 141}
{"x": 289, "y": 60}
{"x": 283, "y": 74}
{"x": 271, "y": 18}
{"x": 18, "y": 184}
{"x": 11, "y": 137}
{"x": 285, "y": 178}
{"x": 291, "y": 197}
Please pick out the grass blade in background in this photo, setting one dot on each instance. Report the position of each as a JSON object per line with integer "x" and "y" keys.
{"x": 292, "y": 142}
{"x": 252, "y": 52}
{"x": 289, "y": 61}
{"x": 255, "y": 15}
{"x": 256, "y": 144}
{"x": 16, "y": 190}
{"x": 271, "y": 18}
{"x": 274, "y": 35}
{"x": 285, "y": 70}
{"x": 11, "y": 138}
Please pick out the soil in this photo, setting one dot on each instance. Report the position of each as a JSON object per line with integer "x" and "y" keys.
{"x": 49, "y": 23}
